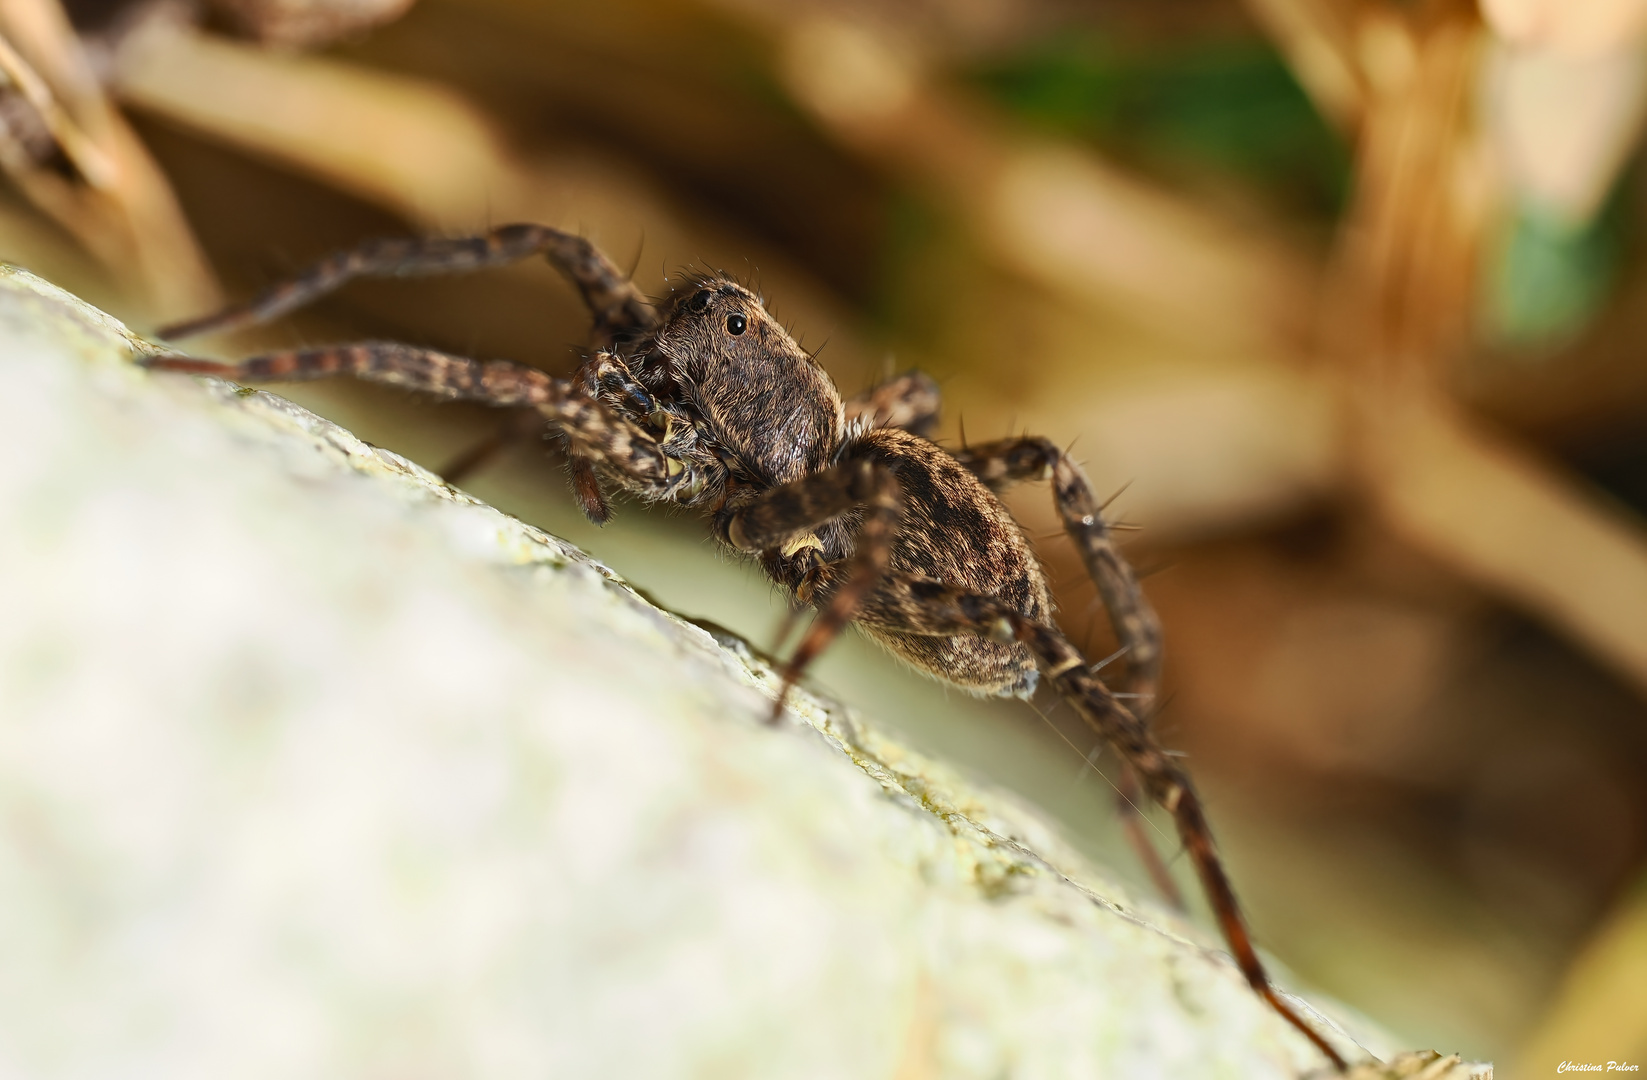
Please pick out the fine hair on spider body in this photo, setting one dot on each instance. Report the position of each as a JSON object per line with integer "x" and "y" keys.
{"x": 703, "y": 400}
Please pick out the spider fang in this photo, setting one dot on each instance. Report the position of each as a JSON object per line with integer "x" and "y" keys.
{"x": 800, "y": 543}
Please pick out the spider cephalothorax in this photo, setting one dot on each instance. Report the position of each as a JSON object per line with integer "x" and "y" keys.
{"x": 707, "y": 402}
{"x": 759, "y": 398}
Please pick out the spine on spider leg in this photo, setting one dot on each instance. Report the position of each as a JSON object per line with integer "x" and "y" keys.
{"x": 611, "y": 297}
{"x": 1169, "y": 786}
{"x": 1135, "y": 622}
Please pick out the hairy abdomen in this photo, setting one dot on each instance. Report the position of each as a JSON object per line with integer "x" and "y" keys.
{"x": 955, "y": 531}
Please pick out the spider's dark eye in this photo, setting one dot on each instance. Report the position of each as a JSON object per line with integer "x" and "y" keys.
{"x": 699, "y": 301}
{"x": 736, "y": 324}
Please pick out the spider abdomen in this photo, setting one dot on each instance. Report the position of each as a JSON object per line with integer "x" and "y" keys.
{"x": 954, "y": 530}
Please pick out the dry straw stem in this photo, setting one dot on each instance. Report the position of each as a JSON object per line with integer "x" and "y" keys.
{"x": 307, "y": 23}
{"x": 1319, "y": 41}
{"x": 125, "y": 213}
{"x": 424, "y": 152}
{"x": 516, "y": 820}
{"x": 1048, "y": 210}
{"x": 1529, "y": 533}
{"x": 97, "y": 170}
{"x": 1404, "y": 291}
{"x": 409, "y": 145}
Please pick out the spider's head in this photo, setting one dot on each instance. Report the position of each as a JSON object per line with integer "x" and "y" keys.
{"x": 761, "y": 396}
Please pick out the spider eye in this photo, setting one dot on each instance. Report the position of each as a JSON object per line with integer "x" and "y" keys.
{"x": 736, "y": 324}
{"x": 699, "y": 301}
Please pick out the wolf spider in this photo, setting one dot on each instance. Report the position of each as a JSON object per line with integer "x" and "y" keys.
{"x": 703, "y": 400}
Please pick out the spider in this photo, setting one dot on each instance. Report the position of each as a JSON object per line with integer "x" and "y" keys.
{"x": 704, "y": 400}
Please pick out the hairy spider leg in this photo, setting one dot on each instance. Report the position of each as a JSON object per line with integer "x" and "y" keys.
{"x": 1006, "y": 462}
{"x": 603, "y": 377}
{"x": 617, "y": 307}
{"x": 594, "y": 430}
{"x": 606, "y": 378}
{"x": 616, "y": 304}
{"x": 925, "y": 606}
{"x": 910, "y": 401}
{"x": 791, "y": 510}
{"x": 1009, "y": 461}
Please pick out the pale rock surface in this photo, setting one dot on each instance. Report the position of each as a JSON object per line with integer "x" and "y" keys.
{"x": 311, "y": 766}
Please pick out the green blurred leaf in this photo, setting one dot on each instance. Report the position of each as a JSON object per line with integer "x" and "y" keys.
{"x": 1548, "y": 277}
{"x": 1227, "y": 106}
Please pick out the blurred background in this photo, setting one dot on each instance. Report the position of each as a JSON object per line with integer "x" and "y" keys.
{"x": 1346, "y": 299}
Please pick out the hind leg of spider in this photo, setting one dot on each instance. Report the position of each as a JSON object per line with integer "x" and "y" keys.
{"x": 909, "y": 401}
{"x": 615, "y": 303}
{"x": 1010, "y": 461}
{"x": 928, "y": 607}
{"x": 593, "y": 431}
{"x": 780, "y": 522}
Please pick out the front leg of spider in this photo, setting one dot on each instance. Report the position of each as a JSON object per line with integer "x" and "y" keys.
{"x": 618, "y": 310}
{"x": 617, "y": 306}
{"x": 594, "y": 431}
{"x": 783, "y": 522}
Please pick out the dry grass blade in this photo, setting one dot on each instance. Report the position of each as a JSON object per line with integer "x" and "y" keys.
{"x": 127, "y": 214}
{"x": 1412, "y": 240}
{"x": 1318, "y": 40}
{"x": 1513, "y": 525}
{"x": 406, "y": 144}
{"x": 91, "y": 162}
{"x": 1052, "y": 211}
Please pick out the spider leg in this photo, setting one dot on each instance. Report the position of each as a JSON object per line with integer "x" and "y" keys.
{"x": 613, "y": 300}
{"x": 1009, "y": 461}
{"x": 593, "y": 431}
{"x": 604, "y": 376}
{"x": 586, "y": 489}
{"x": 925, "y": 606}
{"x": 1001, "y": 464}
{"x": 910, "y": 401}
{"x": 787, "y": 514}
